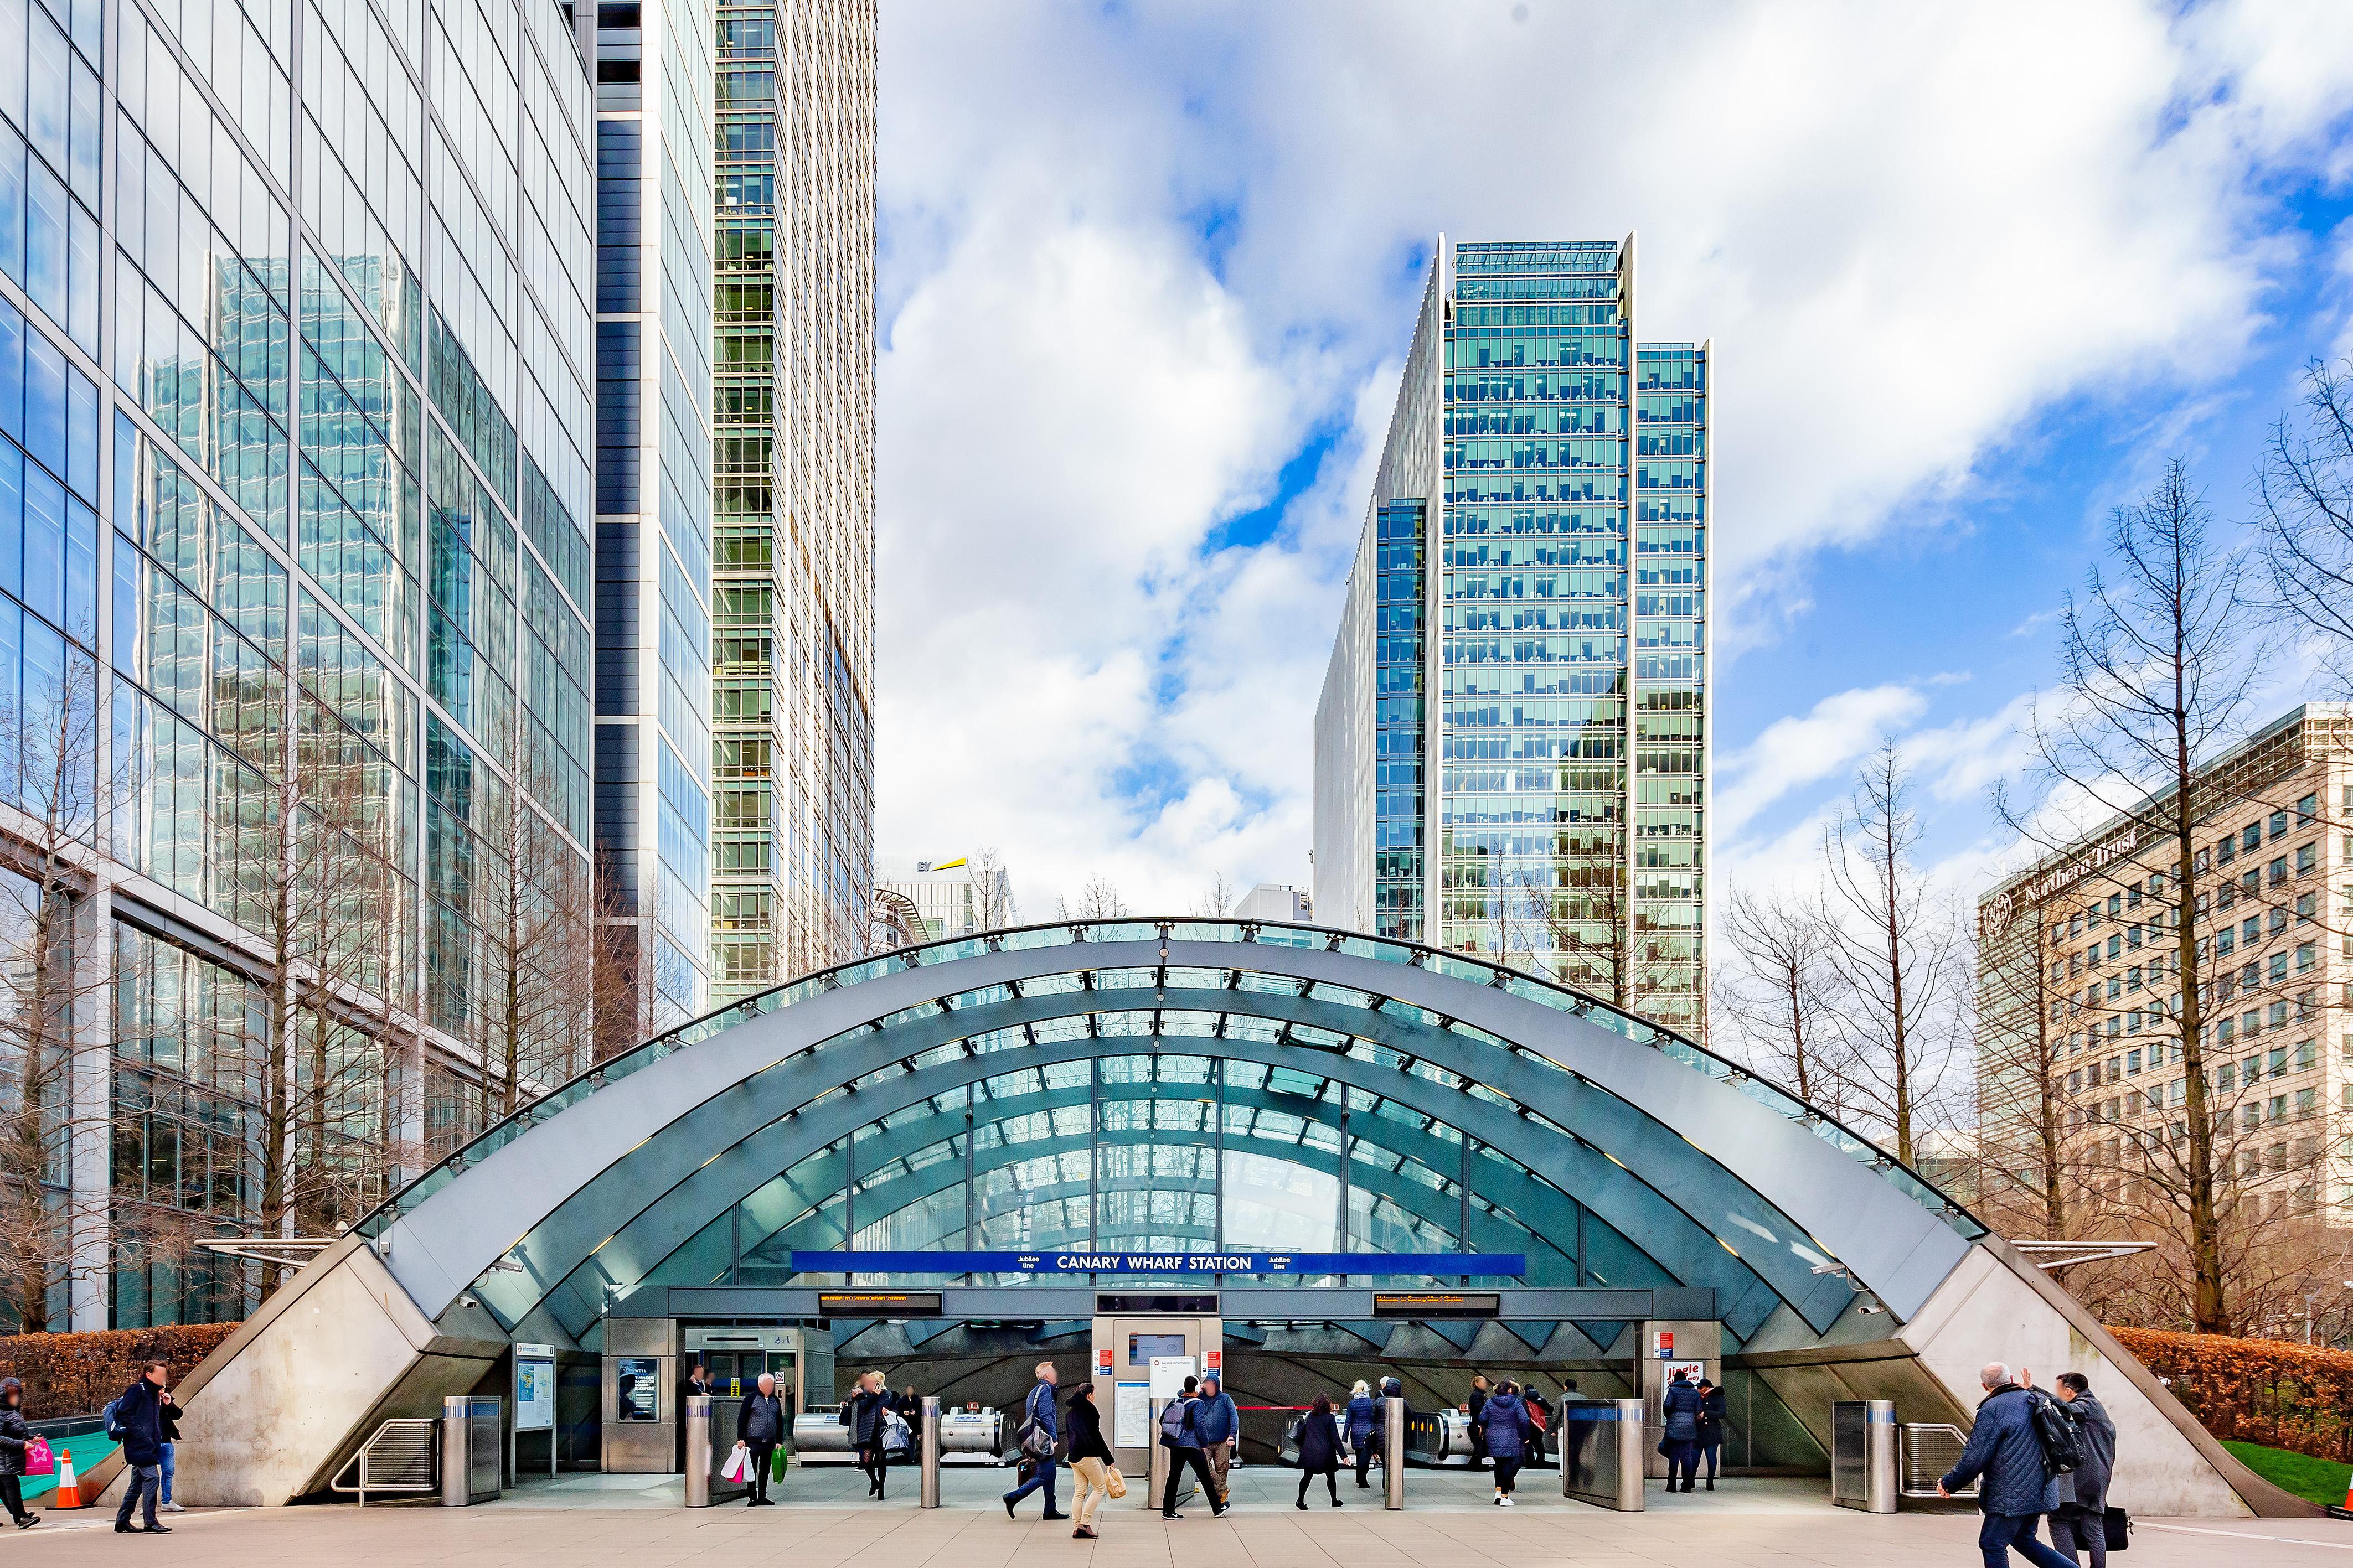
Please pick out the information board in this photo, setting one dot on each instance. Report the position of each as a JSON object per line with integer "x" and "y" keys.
{"x": 1131, "y": 1416}
{"x": 1168, "y": 1375}
{"x": 534, "y": 1388}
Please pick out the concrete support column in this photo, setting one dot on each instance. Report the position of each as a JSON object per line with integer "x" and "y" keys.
{"x": 89, "y": 1110}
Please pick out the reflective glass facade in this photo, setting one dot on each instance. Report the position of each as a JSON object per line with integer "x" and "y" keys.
{"x": 1559, "y": 467}
{"x": 792, "y": 759}
{"x": 304, "y": 512}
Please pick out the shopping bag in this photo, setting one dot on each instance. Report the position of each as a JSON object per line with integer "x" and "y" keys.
{"x": 1115, "y": 1483}
{"x": 739, "y": 1462}
{"x": 38, "y": 1460}
{"x": 776, "y": 1464}
{"x": 2118, "y": 1526}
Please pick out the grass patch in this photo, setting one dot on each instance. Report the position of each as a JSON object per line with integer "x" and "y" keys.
{"x": 2318, "y": 1480}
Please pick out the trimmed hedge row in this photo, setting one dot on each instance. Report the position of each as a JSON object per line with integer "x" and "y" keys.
{"x": 2298, "y": 1397}
{"x": 75, "y": 1375}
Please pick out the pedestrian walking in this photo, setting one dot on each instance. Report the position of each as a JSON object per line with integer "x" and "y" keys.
{"x": 1710, "y": 1427}
{"x": 1319, "y": 1449}
{"x": 867, "y": 1414}
{"x": 1364, "y": 1420}
{"x": 167, "y": 1421}
{"x": 1220, "y": 1425}
{"x": 1476, "y": 1408}
{"x": 760, "y": 1428}
{"x": 1506, "y": 1418}
{"x": 16, "y": 1437}
{"x": 1091, "y": 1459}
{"x": 1539, "y": 1423}
{"x": 138, "y": 1414}
{"x": 1682, "y": 1408}
{"x": 2004, "y": 1455}
{"x": 1040, "y": 1434}
{"x": 1180, "y": 1434}
{"x": 2081, "y": 1524}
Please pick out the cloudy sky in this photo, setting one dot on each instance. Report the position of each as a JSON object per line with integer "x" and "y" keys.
{"x": 1971, "y": 271}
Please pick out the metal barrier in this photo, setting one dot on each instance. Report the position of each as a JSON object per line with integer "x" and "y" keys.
{"x": 473, "y": 1449}
{"x": 1862, "y": 1455}
{"x": 929, "y": 1438}
{"x": 1930, "y": 1449}
{"x": 398, "y": 1456}
{"x": 1393, "y": 1435}
{"x": 1601, "y": 1458}
{"x": 709, "y": 1424}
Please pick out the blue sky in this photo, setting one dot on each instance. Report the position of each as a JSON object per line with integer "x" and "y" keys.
{"x": 1971, "y": 274}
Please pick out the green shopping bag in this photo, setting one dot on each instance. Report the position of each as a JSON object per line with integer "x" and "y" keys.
{"x": 776, "y": 1464}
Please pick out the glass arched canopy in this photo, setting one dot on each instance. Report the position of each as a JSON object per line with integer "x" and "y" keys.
{"x": 1181, "y": 1085}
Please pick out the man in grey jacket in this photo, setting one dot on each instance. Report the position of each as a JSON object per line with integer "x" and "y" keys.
{"x": 2017, "y": 1488}
{"x": 2081, "y": 1523}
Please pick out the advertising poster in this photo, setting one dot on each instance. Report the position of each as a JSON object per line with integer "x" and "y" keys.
{"x": 639, "y": 1381}
{"x": 1131, "y": 1416}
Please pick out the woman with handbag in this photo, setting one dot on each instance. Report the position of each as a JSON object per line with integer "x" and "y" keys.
{"x": 1091, "y": 1458}
{"x": 1319, "y": 1449}
{"x": 867, "y": 1414}
{"x": 15, "y": 1438}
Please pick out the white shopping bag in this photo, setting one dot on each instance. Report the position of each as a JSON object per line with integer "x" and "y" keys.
{"x": 739, "y": 1464}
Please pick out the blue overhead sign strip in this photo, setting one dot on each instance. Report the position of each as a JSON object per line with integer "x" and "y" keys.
{"x": 1371, "y": 1265}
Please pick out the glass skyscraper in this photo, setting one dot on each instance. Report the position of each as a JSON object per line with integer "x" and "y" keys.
{"x": 792, "y": 765}
{"x": 296, "y": 370}
{"x": 1511, "y": 744}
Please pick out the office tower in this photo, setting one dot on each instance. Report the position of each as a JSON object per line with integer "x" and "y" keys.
{"x": 793, "y": 506}
{"x": 1276, "y": 902}
{"x": 654, "y": 280}
{"x": 1511, "y": 744}
{"x": 294, "y": 598}
{"x": 924, "y": 900}
{"x": 2079, "y": 1004}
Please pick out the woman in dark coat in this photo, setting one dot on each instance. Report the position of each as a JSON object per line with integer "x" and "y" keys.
{"x": 1319, "y": 1449}
{"x": 863, "y": 1414}
{"x": 1364, "y": 1421}
{"x": 1506, "y": 1418}
{"x": 1092, "y": 1459}
{"x": 15, "y": 1436}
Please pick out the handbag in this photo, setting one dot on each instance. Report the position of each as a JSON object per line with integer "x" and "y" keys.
{"x": 2117, "y": 1525}
{"x": 38, "y": 1460}
{"x": 1114, "y": 1483}
{"x": 739, "y": 1461}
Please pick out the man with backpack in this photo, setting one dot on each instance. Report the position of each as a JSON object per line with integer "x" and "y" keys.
{"x": 1220, "y": 1423}
{"x": 1180, "y": 1434}
{"x": 1036, "y": 1435}
{"x": 136, "y": 1419}
{"x": 2017, "y": 1451}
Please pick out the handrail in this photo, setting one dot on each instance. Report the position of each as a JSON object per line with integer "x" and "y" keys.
{"x": 430, "y": 1425}
{"x": 1081, "y": 933}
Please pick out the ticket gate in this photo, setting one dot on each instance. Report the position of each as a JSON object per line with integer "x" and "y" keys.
{"x": 966, "y": 1437}
{"x": 1144, "y": 1345}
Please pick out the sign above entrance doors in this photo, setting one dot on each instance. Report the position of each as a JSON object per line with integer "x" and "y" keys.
{"x": 1370, "y": 1264}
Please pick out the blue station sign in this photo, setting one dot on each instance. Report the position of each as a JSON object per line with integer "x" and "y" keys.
{"x": 1371, "y": 1265}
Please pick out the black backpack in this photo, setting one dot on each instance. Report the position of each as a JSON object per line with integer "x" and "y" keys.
{"x": 2063, "y": 1440}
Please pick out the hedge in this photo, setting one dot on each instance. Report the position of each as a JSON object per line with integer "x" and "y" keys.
{"x": 2298, "y": 1397}
{"x": 75, "y": 1375}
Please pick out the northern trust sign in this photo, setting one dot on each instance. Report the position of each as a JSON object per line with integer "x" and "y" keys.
{"x": 1370, "y": 1264}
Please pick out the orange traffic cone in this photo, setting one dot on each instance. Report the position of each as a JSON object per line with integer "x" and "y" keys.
{"x": 69, "y": 1492}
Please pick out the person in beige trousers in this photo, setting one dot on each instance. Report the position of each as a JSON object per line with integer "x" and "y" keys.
{"x": 1091, "y": 1457}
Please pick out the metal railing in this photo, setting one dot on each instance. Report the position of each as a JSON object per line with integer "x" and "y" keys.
{"x": 1930, "y": 1449}
{"x": 399, "y": 1457}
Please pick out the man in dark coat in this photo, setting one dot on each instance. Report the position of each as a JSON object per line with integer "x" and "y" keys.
{"x": 1477, "y": 1412}
{"x": 2004, "y": 1455}
{"x": 2081, "y": 1523}
{"x": 760, "y": 1427}
{"x": 140, "y": 1415}
{"x": 1710, "y": 1427}
{"x": 1039, "y": 1410}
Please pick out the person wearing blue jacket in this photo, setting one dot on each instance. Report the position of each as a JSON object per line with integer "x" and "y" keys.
{"x": 1682, "y": 1409}
{"x": 1505, "y": 1419}
{"x": 2004, "y": 1455}
{"x": 1219, "y": 1424}
{"x": 140, "y": 1413}
{"x": 1364, "y": 1424}
{"x": 1039, "y": 1408}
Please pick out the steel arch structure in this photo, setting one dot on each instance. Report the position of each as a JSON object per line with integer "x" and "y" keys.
{"x": 1081, "y": 1077}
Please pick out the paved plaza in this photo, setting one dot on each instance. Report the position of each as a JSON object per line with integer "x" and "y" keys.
{"x": 823, "y": 1522}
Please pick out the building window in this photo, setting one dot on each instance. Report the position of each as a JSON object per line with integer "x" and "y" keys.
{"x": 2307, "y": 856}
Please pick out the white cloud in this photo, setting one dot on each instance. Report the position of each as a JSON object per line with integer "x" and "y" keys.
{"x": 1797, "y": 752}
{"x": 1135, "y": 253}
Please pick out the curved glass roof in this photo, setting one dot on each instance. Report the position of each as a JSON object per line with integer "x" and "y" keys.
{"x": 1158, "y": 1084}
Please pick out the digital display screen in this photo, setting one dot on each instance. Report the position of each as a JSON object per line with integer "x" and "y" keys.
{"x": 1109, "y": 1303}
{"x": 1436, "y": 1304}
{"x": 1142, "y": 1348}
{"x": 880, "y": 1303}
{"x": 638, "y": 1388}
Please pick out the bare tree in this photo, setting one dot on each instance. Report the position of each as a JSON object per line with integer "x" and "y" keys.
{"x": 1894, "y": 949}
{"x": 2304, "y": 489}
{"x": 1774, "y": 994}
{"x": 1216, "y": 900}
{"x": 51, "y": 966}
{"x": 1098, "y": 901}
{"x": 993, "y": 891}
{"x": 2158, "y": 664}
